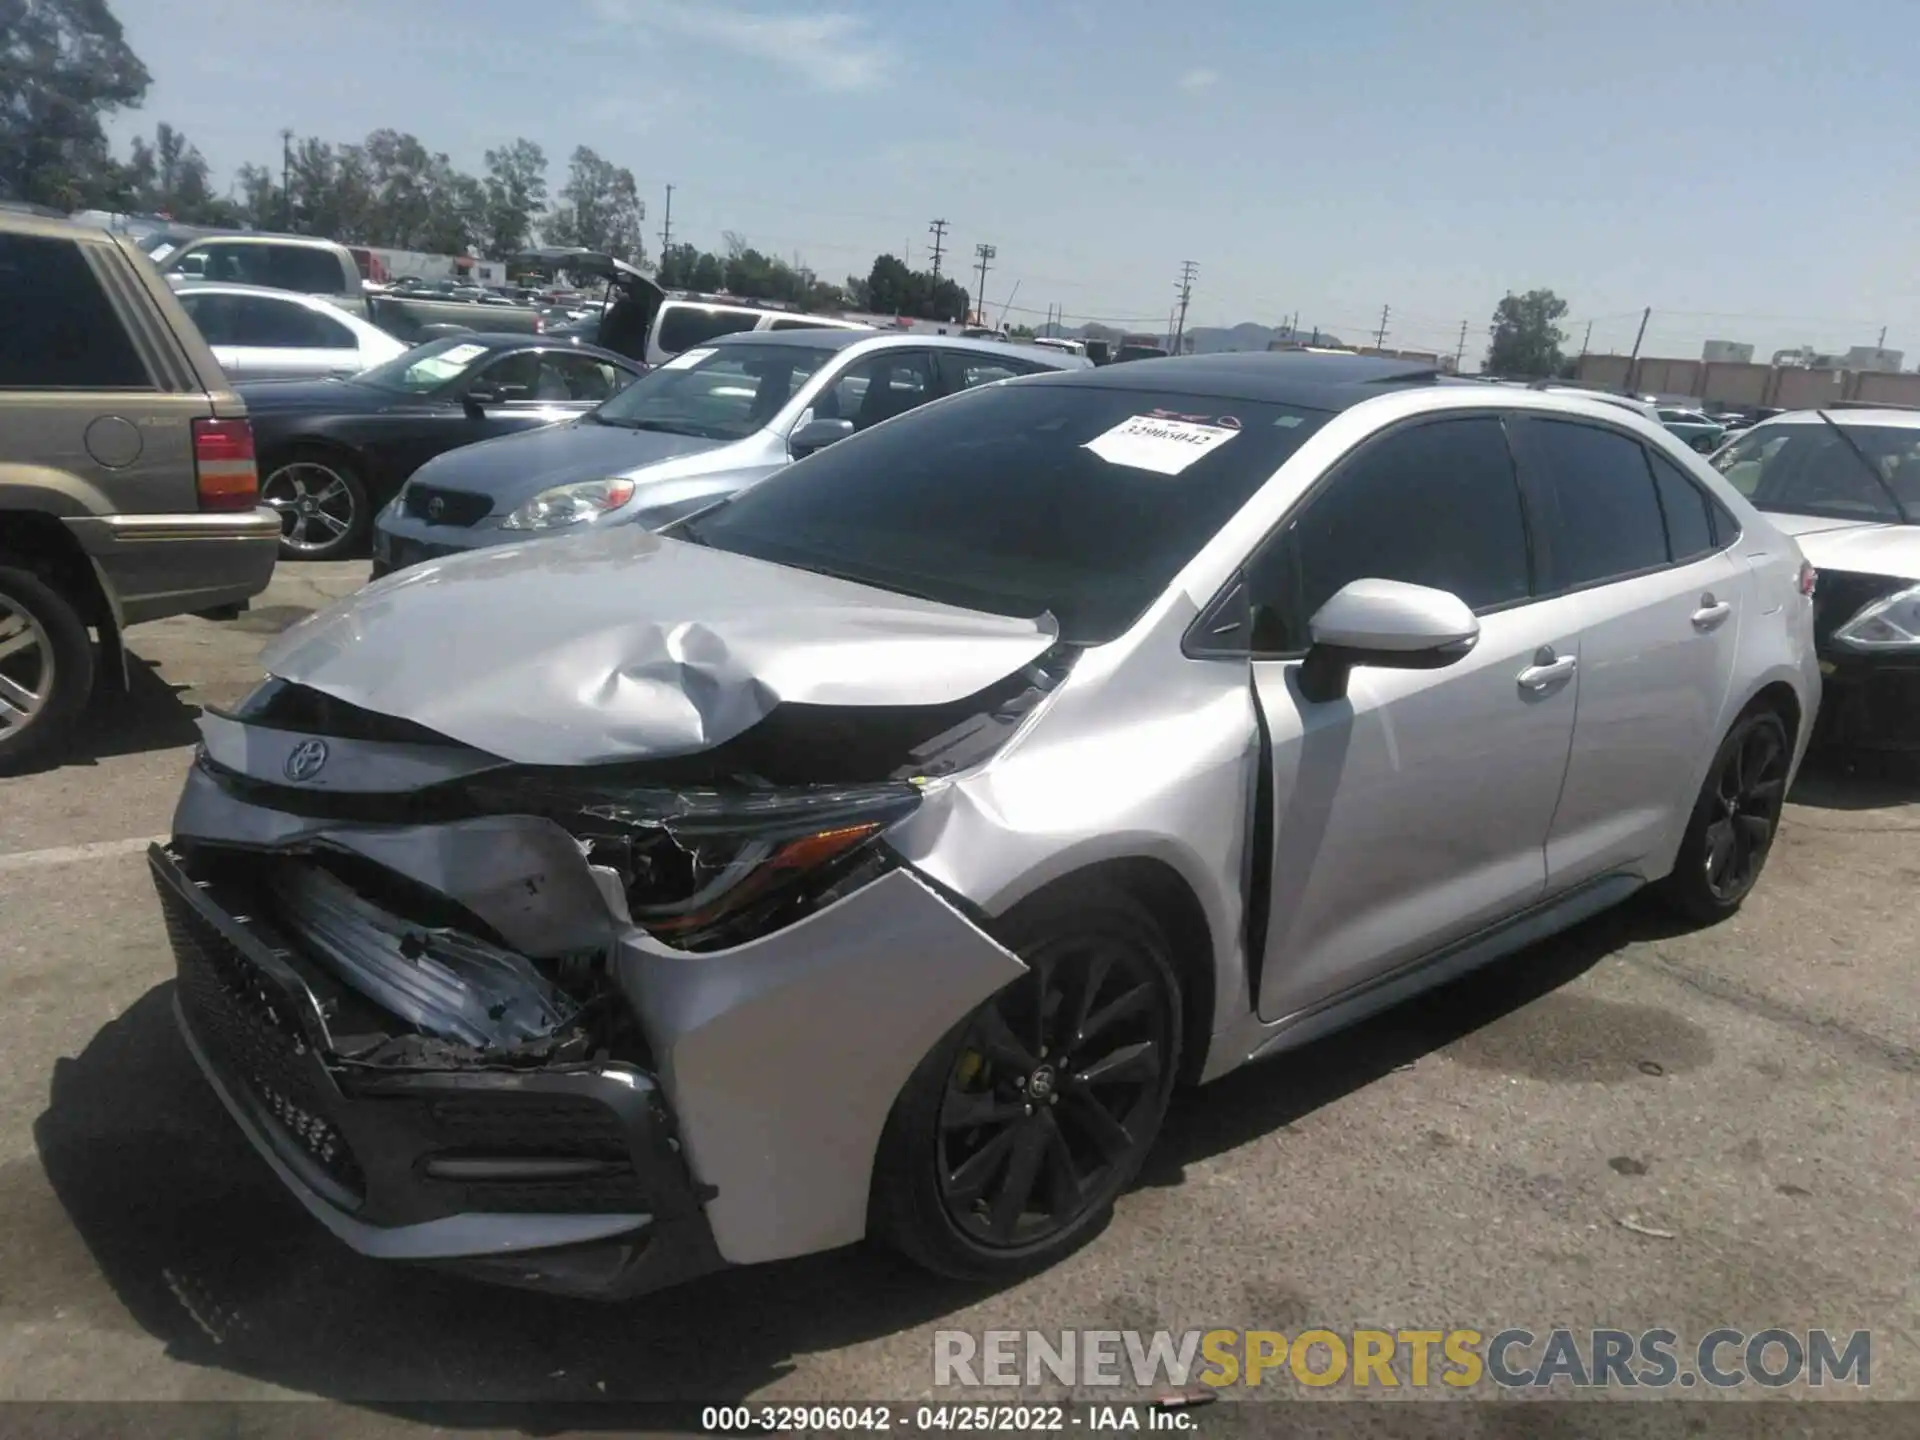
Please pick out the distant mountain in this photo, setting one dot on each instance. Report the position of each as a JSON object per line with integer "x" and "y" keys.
{"x": 1212, "y": 340}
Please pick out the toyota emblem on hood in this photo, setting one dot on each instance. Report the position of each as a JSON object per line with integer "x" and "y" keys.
{"x": 307, "y": 760}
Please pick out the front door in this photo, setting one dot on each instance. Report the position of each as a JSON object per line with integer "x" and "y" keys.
{"x": 1415, "y": 810}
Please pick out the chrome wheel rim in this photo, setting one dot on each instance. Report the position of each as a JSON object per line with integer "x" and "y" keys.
{"x": 1747, "y": 796}
{"x": 315, "y": 504}
{"x": 1053, "y": 1094}
{"x": 26, "y": 668}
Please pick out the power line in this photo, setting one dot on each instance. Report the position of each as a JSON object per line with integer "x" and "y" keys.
{"x": 938, "y": 229}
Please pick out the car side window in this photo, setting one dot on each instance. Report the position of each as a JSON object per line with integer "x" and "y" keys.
{"x": 1435, "y": 503}
{"x": 1685, "y": 506}
{"x": 61, "y": 331}
{"x": 877, "y": 387}
{"x": 215, "y": 316}
{"x": 514, "y": 376}
{"x": 575, "y": 377}
{"x": 963, "y": 372}
{"x": 287, "y": 325}
{"x": 681, "y": 327}
{"x": 798, "y": 325}
{"x": 1595, "y": 509}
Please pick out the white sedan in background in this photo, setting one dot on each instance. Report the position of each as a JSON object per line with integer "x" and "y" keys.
{"x": 262, "y": 334}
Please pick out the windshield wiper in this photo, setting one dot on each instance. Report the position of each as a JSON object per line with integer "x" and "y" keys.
{"x": 1872, "y": 469}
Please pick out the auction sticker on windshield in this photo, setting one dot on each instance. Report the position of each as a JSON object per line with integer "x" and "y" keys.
{"x": 687, "y": 359}
{"x": 1166, "y": 447}
{"x": 462, "y": 354}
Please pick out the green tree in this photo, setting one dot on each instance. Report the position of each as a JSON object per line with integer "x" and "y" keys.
{"x": 64, "y": 66}
{"x": 259, "y": 202}
{"x": 516, "y": 185}
{"x": 1526, "y": 336}
{"x": 599, "y": 208}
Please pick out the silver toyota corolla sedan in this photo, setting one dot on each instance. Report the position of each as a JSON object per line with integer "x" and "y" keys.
{"x": 872, "y": 853}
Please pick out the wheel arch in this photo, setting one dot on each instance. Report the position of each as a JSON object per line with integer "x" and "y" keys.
{"x": 1176, "y": 907}
{"x": 43, "y": 544}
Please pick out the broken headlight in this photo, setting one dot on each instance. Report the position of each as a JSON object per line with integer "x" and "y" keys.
{"x": 707, "y": 868}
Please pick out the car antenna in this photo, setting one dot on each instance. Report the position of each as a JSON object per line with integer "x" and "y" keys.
{"x": 1872, "y": 469}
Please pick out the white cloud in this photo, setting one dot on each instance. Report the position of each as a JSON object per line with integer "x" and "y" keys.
{"x": 829, "y": 48}
{"x": 1194, "y": 81}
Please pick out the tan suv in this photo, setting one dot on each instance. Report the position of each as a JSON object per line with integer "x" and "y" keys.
{"x": 127, "y": 483}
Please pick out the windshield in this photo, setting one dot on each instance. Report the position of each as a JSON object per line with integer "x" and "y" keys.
{"x": 1811, "y": 469}
{"x": 721, "y": 393}
{"x": 425, "y": 368}
{"x": 1021, "y": 499}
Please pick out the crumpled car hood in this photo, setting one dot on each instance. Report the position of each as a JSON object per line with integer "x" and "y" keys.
{"x": 1863, "y": 547}
{"x": 626, "y": 645}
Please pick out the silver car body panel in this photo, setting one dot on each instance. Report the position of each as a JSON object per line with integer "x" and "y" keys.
{"x": 620, "y": 644}
{"x": 780, "y": 1105}
{"x": 372, "y": 345}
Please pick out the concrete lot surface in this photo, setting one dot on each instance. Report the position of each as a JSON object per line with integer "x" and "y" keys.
{"x": 1630, "y": 1126}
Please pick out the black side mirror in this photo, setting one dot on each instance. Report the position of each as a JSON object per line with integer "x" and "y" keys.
{"x": 475, "y": 401}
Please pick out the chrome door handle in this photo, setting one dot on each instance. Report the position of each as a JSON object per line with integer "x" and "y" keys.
{"x": 1710, "y": 614}
{"x": 1550, "y": 673}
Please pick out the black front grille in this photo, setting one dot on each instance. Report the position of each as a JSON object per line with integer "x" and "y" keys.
{"x": 1839, "y": 595}
{"x": 246, "y": 1026}
{"x": 445, "y": 507}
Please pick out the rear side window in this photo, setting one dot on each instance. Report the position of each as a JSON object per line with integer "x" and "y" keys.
{"x": 799, "y": 325}
{"x": 60, "y": 331}
{"x": 1597, "y": 511}
{"x": 283, "y": 324}
{"x": 279, "y": 267}
{"x": 684, "y": 326}
{"x": 1432, "y": 504}
{"x": 1689, "y": 521}
{"x": 963, "y": 371}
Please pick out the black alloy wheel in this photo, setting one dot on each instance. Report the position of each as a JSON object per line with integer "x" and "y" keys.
{"x": 1734, "y": 821}
{"x": 1040, "y": 1107}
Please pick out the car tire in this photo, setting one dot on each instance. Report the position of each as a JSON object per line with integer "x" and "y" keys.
{"x": 985, "y": 1173}
{"x": 44, "y": 650}
{"x": 1734, "y": 821}
{"x": 325, "y": 513}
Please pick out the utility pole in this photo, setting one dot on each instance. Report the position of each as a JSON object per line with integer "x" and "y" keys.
{"x": 1171, "y": 309}
{"x": 1187, "y": 271}
{"x": 986, "y": 253}
{"x": 666, "y": 227}
{"x": 1461, "y": 353}
{"x": 1380, "y": 335}
{"x": 1586, "y": 340}
{"x": 1881, "y": 343}
{"x": 1633, "y": 360}
{"x": 286, "y": 178}
{"x": 938, "y": 229}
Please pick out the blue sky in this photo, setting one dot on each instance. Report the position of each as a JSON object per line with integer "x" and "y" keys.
{"x": 1745, "y": 167}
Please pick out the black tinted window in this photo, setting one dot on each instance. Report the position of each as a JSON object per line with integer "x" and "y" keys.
{"x": 60, "y": 332}
{"x": 684, "y": 326}
{"x": 1599, "y": 516}
{"x": 1434, "y": 504}
{"x": 1689, "y": 522}
{"x": 1082, "y": 502}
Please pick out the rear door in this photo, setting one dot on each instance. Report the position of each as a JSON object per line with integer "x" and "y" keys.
{"x": 1624, "y": 534}
{"x": 96, "y": 394}
{"x": 282, "y": 339}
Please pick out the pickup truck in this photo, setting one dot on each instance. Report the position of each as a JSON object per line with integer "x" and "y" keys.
{"x": 320, "y": 267}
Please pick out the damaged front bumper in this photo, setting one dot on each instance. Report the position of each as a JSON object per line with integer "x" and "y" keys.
{"x": 566, "y": 1178}
{"x": 699, "y": 1108}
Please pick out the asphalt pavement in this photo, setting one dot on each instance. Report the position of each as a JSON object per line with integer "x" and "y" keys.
{"x": 1629, "y": 1126}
